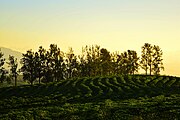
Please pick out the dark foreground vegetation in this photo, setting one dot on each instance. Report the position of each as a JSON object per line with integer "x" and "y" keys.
{"x": 134, "y": 97}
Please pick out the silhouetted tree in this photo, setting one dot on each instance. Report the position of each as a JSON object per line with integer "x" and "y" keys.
{"x": 133, "y": 64}
{"x": 151, "y": 59}
{"x": 157, "y": 60}
{"x": 125, "y": 63}
{"x": 82, "y": 64}
{"x": 38, "y": 66}
{"x": 115, "y": 63}
{"x": 57, "y": 62}
{"x": 96, "y": 60}
{"x": 71, "y": 64}
{"x": 54, "y": 64}
{"x": 28, "y": 66}
{"x": 3, "y": 71}
{"x": 89, "y": 61}
{"x": 13, "y": 64}
{"x": 48, "y": 70}
{"x": 41, "y": 63}
{"x": 146, "y": 57}
{"x": 105, "y": 60}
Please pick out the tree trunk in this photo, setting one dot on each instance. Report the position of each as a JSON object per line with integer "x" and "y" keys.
{"x": 146, "y": 70}
{"x": 15, "y": 81}
{"x": 150, "y": 69}
{"x": 39, "y": 77}
{"x": 31, "y": 82}
{"x": 146, "y": 66}
{"x": 39, "y": 80}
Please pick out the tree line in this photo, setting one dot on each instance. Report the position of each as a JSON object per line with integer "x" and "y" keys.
{"x": 55, "y": 65}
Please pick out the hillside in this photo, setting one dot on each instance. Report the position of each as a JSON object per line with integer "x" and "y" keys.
{"x": 7, "y": 52}
{"x": 113, "y": 97}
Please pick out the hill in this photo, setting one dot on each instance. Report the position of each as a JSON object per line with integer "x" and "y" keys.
{"x": 113, "y": 97}
{"x": 7, "y": 52}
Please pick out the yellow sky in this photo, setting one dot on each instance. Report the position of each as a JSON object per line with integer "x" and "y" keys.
{"x": 117, "y": 25}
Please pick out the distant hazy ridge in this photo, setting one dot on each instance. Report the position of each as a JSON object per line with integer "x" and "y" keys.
{"x": 7, "y": 52}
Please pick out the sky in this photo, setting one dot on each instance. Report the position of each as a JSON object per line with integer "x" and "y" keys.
{"x": 117, "y": 25}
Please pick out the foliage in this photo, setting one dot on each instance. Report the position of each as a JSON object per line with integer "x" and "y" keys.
{"x": 3, "y": 71}
{"x": 29, "y": 67}
{"x": 55, "y": 65}
{"x": 157, "y": 60}
{"x": 13, "y": 64}
{"x": 71, "y": 64}
{"x": 151, "y": 59}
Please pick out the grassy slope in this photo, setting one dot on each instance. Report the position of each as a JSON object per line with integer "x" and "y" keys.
{"x": 95, "y": 98}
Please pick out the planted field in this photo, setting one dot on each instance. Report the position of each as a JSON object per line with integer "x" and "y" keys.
{"x": 113, "y": 97}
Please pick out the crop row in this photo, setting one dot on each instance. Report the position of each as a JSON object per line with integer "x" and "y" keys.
{"x": 98, "y": 87}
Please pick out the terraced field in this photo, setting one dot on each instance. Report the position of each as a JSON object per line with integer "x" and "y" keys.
{"x": 113, "y": 97}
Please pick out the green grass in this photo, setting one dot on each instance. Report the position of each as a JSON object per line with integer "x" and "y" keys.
{"x": 113, "y": 97}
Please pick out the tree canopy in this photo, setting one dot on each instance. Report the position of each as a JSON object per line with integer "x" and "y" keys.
{"x": 55, "y": 65}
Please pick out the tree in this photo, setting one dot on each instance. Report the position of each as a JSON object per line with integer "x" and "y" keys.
{"x": 105, "y": 59}
{"x": 28, "y": 67}
{"x": 47, "y": 71}
{"x": 54, "y": 64}
{"x": 82, "y": 64}
{"x": 60, "y": 65}
{"x": 38, "y": 66}
{"x": 41, "y": 62}
{"x": 133, "y": 64}
{"x": 124, "y": 63}
{"x": 3, "y": 71}
{"x": 13, "y": 64}
{"x": 71, "y": 64}
{"x": 89, "y": 61}
{"x": 115, "y": 57}
{"x": 128, "y": 62}
{"x": 157, "y": 60}
{"x": 151, "y": 58}
{"x": 96, "y": 60}
{"x": 146, "y": 57}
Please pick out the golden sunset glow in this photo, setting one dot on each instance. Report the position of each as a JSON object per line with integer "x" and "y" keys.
{"x": 117, "y": 25}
